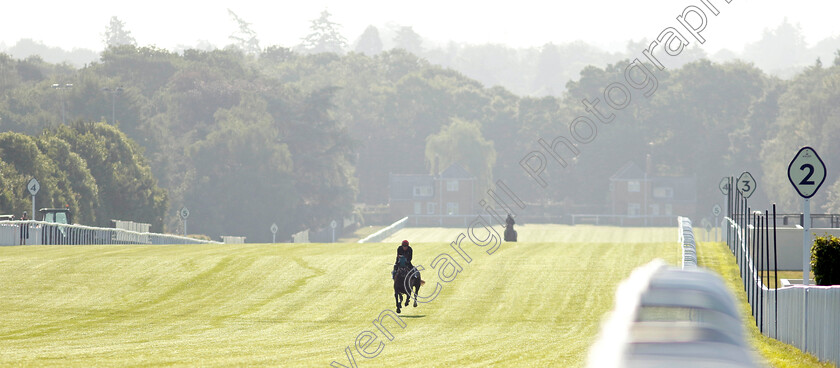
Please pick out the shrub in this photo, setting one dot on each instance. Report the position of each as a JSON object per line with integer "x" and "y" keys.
{"x": 825, "y": 260}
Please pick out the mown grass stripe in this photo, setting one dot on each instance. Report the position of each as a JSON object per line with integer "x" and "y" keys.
{"x": 534, "y": 303}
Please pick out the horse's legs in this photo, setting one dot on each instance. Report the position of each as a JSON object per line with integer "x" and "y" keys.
{"x": 398, "y": 298}
{"x": 406, "y": 288}
{"x": 416, "y": 290}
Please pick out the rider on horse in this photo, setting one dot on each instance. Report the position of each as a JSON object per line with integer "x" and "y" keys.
{"x": 406, "y": 277}
{"x": 404, "y": 255}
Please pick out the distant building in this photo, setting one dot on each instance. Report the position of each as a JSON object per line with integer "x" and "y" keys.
{"x": 447, "y": 199}
{"x": 644, "y": 199}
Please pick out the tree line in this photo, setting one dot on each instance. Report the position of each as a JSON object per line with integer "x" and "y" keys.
{"x": 281, "y": 136}
{"x": 92, "y": 168}
{"x": 534, "y": 71}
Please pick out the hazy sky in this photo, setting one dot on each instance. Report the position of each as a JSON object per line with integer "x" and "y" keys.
{"x": 522, "y": 23}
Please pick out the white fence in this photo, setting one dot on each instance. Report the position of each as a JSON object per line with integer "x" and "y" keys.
{"x": 622, "y": 220}
{"x": 301, "y": 237}
{"x": 386, "y": 232}
{"x": 38, "y": 232}
{"x": 230, "y": 239}
{"x": 686, "y": 240}
{"x": 807, "y": 317}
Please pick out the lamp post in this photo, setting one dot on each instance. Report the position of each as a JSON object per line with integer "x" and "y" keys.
{"x": 61, "y": 88}
{"x": 113, "y": 91}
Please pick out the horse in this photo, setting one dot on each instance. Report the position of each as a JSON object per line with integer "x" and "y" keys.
{"x": 404, "y": 282}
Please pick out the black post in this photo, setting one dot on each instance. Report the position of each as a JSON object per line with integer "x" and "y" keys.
{"x": 767, "y": 251}
{"x": 749, "y": 259}
{"x": 732, "y": 209}
{"x": 751, "y": 267}
{"x": 760, "y": 274}
{"x": 734, "y": 218}
{"x": 734, "y": 221}
{"x": 739, "y": 234}
{"x": 776, "y": 271}
{"x": 736, "y": 232}
{"x": 728, "y": 211}
{"x": 746, "y": 238}
{"x": 757, "y": 264}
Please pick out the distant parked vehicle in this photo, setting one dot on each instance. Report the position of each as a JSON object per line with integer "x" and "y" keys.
{"x": 56, "y": 215}
{"x": 55, "y": 234}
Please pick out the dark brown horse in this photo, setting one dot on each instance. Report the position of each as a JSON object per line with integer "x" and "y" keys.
{"x": 406, "y": 280}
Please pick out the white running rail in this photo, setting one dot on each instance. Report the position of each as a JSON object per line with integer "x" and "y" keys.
{"x": 39, "y": 232}
{"x": 386, "y": 232}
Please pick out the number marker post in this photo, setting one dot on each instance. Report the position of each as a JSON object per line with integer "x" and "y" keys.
{"x": 724, "y": 188}
{"x": 184, "y": 213}
{"x": 807, "y": 173}
{"x": 746, "y": 187}
{"x": 33, "y": 188}
{"x": 746, "y": 184}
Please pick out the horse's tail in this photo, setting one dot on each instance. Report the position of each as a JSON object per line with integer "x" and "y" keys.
{"x": 422, "y": 282}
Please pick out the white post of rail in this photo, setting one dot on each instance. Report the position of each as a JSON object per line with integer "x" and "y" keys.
{"x": 806, "y": 241}
{"x": 806, "y": 267}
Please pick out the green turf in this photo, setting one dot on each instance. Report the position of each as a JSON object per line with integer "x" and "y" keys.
{"x": 360, "y": 233}
{"x": 550, "y": 233}
{"x": 530, "y": 304}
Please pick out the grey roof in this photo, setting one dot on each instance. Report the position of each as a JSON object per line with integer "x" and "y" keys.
{"x": 630, "y": 171}
{"x": 401, "y": 186}
{"x": 456, "y": 171}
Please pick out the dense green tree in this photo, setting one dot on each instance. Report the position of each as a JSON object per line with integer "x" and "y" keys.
{"x": 779, "y": 49}
{"x": 557, "y": 64}
{"x": 116, "y": 34}
{"x": 832, "y": 203}
{"x": 13, "y": 198}
{"x": 332, "y": 125}
{"x": 82, "y": 184}
{"x": 26, "y": 47}
{"x": 323, "y": 155}
{"x": 369, "y": 43}
{"x": 277, "y": 54}
{"x": 240, "y": 181}
{"x": 22, "y": 153}
{"x": 703, "y": 99}
{"x": 245, "y": 37}
{"x": 809, "y": 115}
{"x": 462, "y": 142}
{"x": 324, "y": 36}
{"x": 408, "y": 40}
{"x": 127, "y": 189}
{"x": 146, "y": 68}
{"x": 492, "y": 65}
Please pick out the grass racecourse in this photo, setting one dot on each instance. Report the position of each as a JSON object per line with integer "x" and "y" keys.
{"x": 535, "y": 303}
